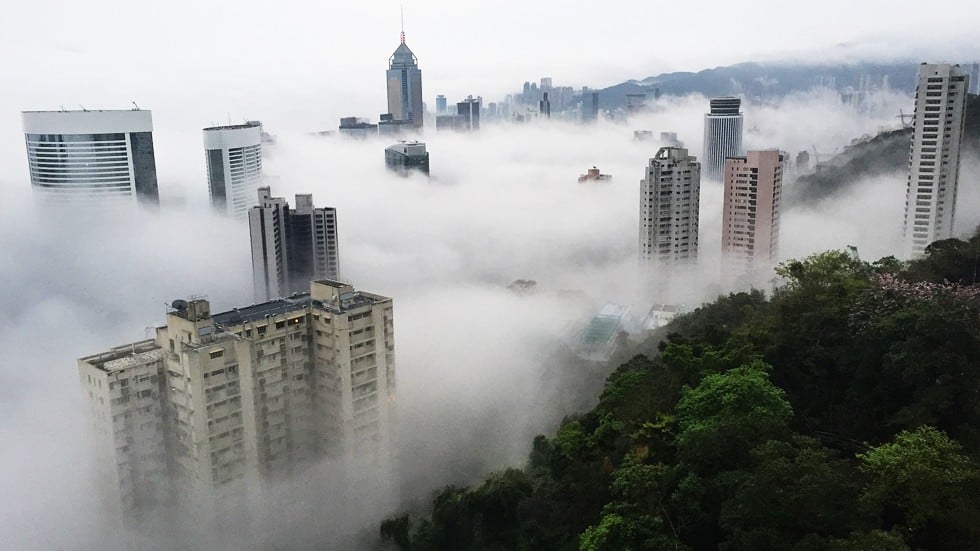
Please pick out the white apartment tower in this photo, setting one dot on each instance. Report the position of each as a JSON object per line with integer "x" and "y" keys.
{"x": 669, "y": 201}
{"x": 234, "y": 159}
{"x": 91, "y": 157}
{"x": 722, "y": 135}
{"x": 291, "y": 246}
{"x": 934, "y": 159}
{"x": 204, "y": 416}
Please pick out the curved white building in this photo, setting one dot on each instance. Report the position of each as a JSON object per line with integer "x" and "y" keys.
{"x": 722, "y": 135}
{"x": 78, "y": 157}
{"x": 234, "y": 158}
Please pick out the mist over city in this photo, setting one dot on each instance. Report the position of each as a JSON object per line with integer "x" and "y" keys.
{"x": 508, "y": 292}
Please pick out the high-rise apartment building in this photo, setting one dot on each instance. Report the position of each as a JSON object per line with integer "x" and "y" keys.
{"x": 291, "y": 246}
{"x": 670, "y": 196}
{"x": 934, "y": 159}
{"x": 405, "y": 86}
{"x": 234, "y": 159}
{"x": 750, "y": 213}
{"x": 406, "y": 157}
{"x": 91, "y": 157}
{"x": 722, "y": 135}
{"x": 205, "y": 415}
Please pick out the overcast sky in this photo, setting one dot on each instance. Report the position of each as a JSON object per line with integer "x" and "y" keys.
{"x": 316, "y": 61}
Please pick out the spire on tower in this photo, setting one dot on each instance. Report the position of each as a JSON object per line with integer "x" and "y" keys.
{"x": 402, "y": 7}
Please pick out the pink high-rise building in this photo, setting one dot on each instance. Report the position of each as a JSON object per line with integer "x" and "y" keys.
{"x": 750, "y": 221}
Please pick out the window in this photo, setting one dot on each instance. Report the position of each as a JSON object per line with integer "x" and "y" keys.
{"x": 217, "y": 354}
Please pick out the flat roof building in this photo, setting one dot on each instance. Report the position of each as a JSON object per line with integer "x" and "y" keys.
{"x": 405, "y": 157}
{"x": 234, "y": 160}
{"x": 722, "y": 135}
{"x": 750, "y": 214}
{"x": 291, "y": 246}
{"x": 209, "y": 413}
{"x": 91, "y": 157}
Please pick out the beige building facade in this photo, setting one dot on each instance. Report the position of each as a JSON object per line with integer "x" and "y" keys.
{"x": 221, "y": 406}
{"x": 750, "y": 215}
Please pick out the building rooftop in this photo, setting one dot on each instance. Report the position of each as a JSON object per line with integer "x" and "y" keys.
{"x": 126, "y": 356}
{"x": 256, "y": 312}
{"x": 250, "y": 124}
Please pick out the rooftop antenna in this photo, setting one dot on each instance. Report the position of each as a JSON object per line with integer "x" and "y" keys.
{"x": 135, "y": 107}
{"x": 83, "y": 107}
{"x": 402, "y": 8}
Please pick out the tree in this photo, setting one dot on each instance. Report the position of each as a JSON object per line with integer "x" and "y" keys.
{"x": 728, "y": 414}
{"x": 924, "y": 481}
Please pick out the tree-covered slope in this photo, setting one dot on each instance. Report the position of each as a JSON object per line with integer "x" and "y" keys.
{"x": 841, "y": 413}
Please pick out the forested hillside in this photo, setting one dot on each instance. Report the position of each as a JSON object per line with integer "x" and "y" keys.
{"x": 886, "y": 153}
{"x": 841, "y": 413}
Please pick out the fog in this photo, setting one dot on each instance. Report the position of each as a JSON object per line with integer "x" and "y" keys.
{"x": 475, "y": 362}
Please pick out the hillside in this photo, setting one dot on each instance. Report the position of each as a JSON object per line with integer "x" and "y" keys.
{"x": 885, "y": 153}
{"x": 841, "y": 413}
{"x": 764, "y": 80}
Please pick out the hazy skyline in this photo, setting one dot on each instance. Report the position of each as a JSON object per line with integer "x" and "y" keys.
{"x": 503, "y": 203}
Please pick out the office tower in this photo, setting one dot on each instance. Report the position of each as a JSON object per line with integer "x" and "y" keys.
{"x": 635, "y": 103}
{"x": 234, "y": 158}
{"x": 974, "y": 78}
{"x": 670, "y": 196}
{"x": 441, "y": 106}
{"x": 750, "y": 213}
{"x": 456, "y": 123}
{"x": 590, "y": 106}
{"x": 546, "y": 83}
{"x": 934, "y": 158}
{"x": 469, "y": 109}
{"x": 213, "y": 409}
{"x": 722, "y": 135}
{"x": 544, "y": 106}
{"x": 91, "y": 157}
{"x": 354, "y": 127}
{"x": 291, "y": 246}
{"x": 407, "y": 157}
{"x": 405, "y": 86}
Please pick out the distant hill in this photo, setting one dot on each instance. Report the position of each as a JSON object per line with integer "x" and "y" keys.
{"x": 887, "y": 152}
{"x": 757, "y": 81}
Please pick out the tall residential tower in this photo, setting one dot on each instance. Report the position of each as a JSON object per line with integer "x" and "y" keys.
{"x": 291, "y": 247}
{"x": 234, "y": 158}
{"x": 669, "y": 198}
{"x": 91, "y": 157}
{"x": 750, "y": 215}
{"x": 934, "y": 159}
{"x": 722, "y": 135}
{"x": 212, "y": 411}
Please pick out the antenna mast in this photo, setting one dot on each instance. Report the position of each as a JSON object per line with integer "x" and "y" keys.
{"x": 402, "y": 8}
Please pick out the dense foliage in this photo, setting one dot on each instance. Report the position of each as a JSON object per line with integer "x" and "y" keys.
{"x": 841, "y": 413}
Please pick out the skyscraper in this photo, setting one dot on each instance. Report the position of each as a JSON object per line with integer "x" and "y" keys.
{"x": 291, "y": 247}
{"x": 405, "y": 157}
{"x": 722, "y": 135}
{"x": 91, "y": 157}
{"x": 544, "y": 106}
{"x": 213, "y": 409}
{"x": 441, "y": 105}
{"x": 934, "y": 158}
{"x": 234, "y": 158}
{"x": 590, "y": 106}
{"x": 469, "y": 109}
{"x": 669, "y": 204}
{"x": 750, "y": 215}
{"x": 405, "y": 86}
